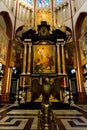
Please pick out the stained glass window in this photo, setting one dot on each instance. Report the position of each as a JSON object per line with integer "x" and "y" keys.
{"x": 59, "y": 1}
{"x": 43, "y": 3}
{"x": 28, "y": 1}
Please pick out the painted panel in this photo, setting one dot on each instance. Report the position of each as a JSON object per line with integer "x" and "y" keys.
{"x": 44, "y": 59}
{"x": 83, "y": 48}
{"x": 3, "y": 47}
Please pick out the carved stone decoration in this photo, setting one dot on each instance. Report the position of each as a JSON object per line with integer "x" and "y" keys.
{"x": 43, "y": 33}
{"x": 43, "y": 14}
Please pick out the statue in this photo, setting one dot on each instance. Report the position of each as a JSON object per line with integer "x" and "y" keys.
{"x": 43, "y": 15}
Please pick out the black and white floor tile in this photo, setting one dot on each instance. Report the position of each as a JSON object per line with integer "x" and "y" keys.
{"x": 20, "y": 119}
{"x": 83, "y": 107}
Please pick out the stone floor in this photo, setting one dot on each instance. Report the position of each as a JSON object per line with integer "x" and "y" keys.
{"x": 26, "y": 119}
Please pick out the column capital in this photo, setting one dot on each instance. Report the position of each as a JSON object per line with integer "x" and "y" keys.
{"x": 27, "y": 40}
{"x": 29, "y": 44}
{"x": 58, "y": 43}
{"x": 60, "y": 40}
{"x": 62, "y": 44}
{"x": 24, "y": 43}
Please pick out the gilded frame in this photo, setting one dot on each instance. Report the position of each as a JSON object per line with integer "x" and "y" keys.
{"x": 44, "y": 59}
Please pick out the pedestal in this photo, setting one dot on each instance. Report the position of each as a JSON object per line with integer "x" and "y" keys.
{"x": 46, "y": 118}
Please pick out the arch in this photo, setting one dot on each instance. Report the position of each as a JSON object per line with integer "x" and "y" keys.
{"x": 8, "y": 22}
{"x": 79, "y": 22}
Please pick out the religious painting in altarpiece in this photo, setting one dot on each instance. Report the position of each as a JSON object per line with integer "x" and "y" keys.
{"x": 83, "y": 48}
{"x": 4, "y": 41}
{"x": 44, "y": 59}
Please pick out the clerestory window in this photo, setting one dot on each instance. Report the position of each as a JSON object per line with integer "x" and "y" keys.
{"x": 28, "y": 1}
{"x": 43, "y": 3}
{"x": 59, "y": 1}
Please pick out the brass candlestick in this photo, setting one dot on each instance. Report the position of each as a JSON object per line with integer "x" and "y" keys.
{"x": 46, "y": 119}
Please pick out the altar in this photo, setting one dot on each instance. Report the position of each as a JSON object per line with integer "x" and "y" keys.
{"x": 44, "y": 57}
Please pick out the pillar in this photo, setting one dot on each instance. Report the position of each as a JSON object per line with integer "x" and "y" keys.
{"x": 31, "y": 21}
{"x": 10, "y": 5}
{"x": 28, "y": 16}
{"x": 29, "y": 57}
{"x": 5, "y": 97}
{"x": 58, "y": 58}
{"x": 60, "y": 15}
{"x": 24, "y": 58}
{"x": 63, "y": 59}
{"x": 14, "y": 7}
{"x": 6, "y": 2}
{"x": 23, "y": 12}
{"x": 19, "y": 12}
{"x": 57, "y": 17}
{"x": 82, "y": 97}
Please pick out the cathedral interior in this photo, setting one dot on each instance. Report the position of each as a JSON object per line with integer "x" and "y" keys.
{"x": 43, "y": 64}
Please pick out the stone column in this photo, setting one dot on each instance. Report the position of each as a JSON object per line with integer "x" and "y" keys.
{"x": 6, "y": 2}
{"x": 24, "y": 58}
{"x": 23, "y": 13}
{"x": 27, "y": 16}
{"x": 57, "y": 17}
{"x": 58, "y": 58}
{"x": 21, "y": 7}
{"x": 19, "y": 12}
{"x": 61, "y": 13}
{"x": 29, "y": 56}
{"x": 31, "y": 22}
{"x": 10, "y": 4}
{"x": 14, "y": 7}
{"x": 63, "y": 59}
{"x": 82, "y": 97}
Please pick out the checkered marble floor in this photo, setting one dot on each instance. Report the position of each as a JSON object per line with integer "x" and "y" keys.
{"x": 83, "y": 107}
{"x": 20, "y": 119}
